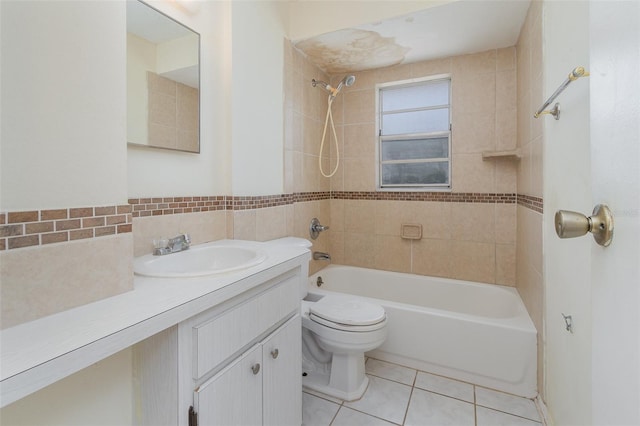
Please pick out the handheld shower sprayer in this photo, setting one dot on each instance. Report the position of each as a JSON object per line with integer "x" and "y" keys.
{"x": 346, "y": 81}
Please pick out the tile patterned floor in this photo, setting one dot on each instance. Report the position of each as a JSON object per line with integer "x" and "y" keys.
{"x": 399, "y": 395}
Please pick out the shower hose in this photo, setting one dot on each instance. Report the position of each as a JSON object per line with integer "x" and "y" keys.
{"x": 328, "y": 119}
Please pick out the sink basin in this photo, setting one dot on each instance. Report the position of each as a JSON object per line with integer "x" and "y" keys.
{"x": 199, "y": 261}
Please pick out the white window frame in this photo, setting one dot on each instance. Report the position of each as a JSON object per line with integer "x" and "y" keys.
{"x": 380, "y": 137}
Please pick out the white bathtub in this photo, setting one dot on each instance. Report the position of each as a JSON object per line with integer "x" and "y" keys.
{"x": 478, "y": 333}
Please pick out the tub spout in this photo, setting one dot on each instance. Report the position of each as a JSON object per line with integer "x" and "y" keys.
{"x": 318, "y": 255}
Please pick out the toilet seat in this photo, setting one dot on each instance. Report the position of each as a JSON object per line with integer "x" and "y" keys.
{"x": 348, "y": 314}
{"x": 346, "y": 327}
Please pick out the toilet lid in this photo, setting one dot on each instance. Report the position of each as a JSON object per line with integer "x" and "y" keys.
{"x": 348, "y": 311}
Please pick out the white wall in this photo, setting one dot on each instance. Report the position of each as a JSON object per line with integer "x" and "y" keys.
{"x": 63, "y": 97}
{"x": 94, "y": 396}
{"x": 63, "y": 144}
{"x": 155, "y": 172}
{"x": 567, "y": 186}
{"x": 258, "y": 31}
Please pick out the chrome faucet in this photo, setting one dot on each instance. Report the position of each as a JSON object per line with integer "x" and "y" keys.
{"x": 315, "y": 228}
{"x": 173, "y": 245}
{"x": 318, "y": 255}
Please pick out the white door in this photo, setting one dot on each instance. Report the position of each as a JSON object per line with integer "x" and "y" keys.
{"x": 282, "y": 380}
{"x": 615, "y": 171}
{"x": 592, "y": 156}
{"x": 233, "y": 396}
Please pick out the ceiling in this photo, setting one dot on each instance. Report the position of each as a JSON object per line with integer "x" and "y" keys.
{"x": 451, "y": 29}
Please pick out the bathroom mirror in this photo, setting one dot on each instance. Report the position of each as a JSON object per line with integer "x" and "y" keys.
{"x": 163, "y": 81}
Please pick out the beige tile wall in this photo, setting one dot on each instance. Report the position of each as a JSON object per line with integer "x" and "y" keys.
{"x": 41, "y": 252}
{"x": 202, "y": 227}
{"x": 43, "y": 280}
{"x": 173, "y": 114}
{"x": 529, "y": 276}
{"x": 474, "y": 241}
{"x": 305, "y": 113}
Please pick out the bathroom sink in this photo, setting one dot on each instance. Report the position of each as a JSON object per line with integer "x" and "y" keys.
{"x": 198, "y": 261}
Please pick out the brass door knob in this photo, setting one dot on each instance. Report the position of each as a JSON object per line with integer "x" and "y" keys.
{"x": 573, "y": 224}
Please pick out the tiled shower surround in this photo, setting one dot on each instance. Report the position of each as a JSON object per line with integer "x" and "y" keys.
{"x": 463, "y": 237}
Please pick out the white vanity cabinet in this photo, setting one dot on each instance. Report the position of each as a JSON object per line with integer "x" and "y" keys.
{"x": 237, "y": 363}
{"x": 262, "y": 386}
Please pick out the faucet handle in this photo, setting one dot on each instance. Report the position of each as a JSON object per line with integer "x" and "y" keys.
{"x": 161, "y": 242}
{"x": 315, "y": 228}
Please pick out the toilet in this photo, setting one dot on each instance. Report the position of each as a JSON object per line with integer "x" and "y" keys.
{"x": 337, "y": 330}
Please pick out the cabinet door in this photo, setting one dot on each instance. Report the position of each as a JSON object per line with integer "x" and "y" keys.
{"x": 282, "y": 380}
{"x": 233, "y": 396}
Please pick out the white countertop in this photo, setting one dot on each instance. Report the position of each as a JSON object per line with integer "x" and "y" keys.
{"x": 38, "y": 353}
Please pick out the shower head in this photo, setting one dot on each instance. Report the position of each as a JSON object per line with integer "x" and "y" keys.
{"x": 346, "y": 81}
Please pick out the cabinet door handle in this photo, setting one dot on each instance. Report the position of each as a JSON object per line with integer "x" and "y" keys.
{"x": 275, "y": 353}
{"x": 255, "y": 368}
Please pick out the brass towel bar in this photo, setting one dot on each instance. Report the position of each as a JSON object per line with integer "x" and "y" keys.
{"x": 573, "y": 75}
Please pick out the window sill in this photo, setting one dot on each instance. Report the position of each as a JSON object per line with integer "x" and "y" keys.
{"x": 416, "y": 189}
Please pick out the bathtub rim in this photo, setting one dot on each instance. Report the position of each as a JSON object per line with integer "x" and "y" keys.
{"x": 522, "y": 321}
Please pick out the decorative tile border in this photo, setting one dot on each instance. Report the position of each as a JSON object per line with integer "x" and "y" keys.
{"x": 259, "y": 202}
{"x": 143, "y": 207}
{"x": 532, "y": 203}
{"x": 40, "y": 227}
{"x": 446, "y": 197}
{"x": 300, "y": 197}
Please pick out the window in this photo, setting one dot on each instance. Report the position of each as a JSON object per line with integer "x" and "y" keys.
{"x": 414, "y": 150}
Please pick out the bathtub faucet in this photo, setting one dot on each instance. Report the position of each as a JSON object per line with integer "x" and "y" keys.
{"x": 318, "y": 255}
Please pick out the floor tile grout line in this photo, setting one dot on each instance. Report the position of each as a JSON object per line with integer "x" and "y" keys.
{"x": 370, "y": 415}
{"x": 506, "y": 412}
{"x": 333, "y": 419}
{"x": 386, "y": 378}
{"x": 323, "y": 398}
{"x": 437, "y": 375}
{"x": 475, "y": 407}
{"x": 445, "y": 395}
{"x": 406, "y": 411}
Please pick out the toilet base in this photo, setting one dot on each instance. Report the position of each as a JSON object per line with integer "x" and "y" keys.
{"x": 320, "y": 383}
{"x": 346, "y": 379}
